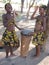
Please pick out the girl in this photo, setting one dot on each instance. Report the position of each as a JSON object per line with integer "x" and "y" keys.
{"x": 9, "y": 36}
{"x": 40, "y": 28}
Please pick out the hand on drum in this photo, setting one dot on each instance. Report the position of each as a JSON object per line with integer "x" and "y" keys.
{"x": 21, "y": 28}
{"x": 31, "y": 33}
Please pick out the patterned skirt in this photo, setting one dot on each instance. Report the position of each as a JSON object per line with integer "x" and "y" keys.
{"x": 39, "y": 38}
{"x": 10, "y": 38}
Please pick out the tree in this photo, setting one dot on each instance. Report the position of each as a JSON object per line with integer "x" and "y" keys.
{"x": 48, "y": 8}
{"x": 9, "y": 1}
{"x": 4, "y": 1}
{"x": 30, "y": 6}
{"x": 22, "y": 3}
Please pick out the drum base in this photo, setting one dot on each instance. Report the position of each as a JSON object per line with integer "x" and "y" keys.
{"x": 25, "y": 41}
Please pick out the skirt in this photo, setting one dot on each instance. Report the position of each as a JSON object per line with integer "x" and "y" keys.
{"x": 39, "y": 38}
{"x": 10, "y": 38}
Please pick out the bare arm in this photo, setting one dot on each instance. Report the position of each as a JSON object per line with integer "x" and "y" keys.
{"x": 44, "y": 24}
{"x": 5, "y": 23}
{"x": 17, "y": 26}
{"x": 14, "y": 13}
{"x": 30, "y": 7}
{"x": 36, "y": 8}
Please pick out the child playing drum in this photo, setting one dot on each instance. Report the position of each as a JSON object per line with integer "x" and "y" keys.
{"x": 9, "y": 36}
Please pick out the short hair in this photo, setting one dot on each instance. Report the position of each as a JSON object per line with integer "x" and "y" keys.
{"x": 44, "y": 7}
{"x": 7, "y": 4}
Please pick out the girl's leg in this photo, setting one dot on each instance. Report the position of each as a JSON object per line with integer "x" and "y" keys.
{"x": 7, "y": 50}
{"x": 11, "y": 51}
{"x": 43, "y": 47}
{"x": 37, "y": 50}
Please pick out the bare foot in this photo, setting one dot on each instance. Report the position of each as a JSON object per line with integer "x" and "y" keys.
{"x": 6, "y": 57}
{"x": 36, "y": 56}
{"x": 23, "y": 56}
{"x": 12, "y": 55}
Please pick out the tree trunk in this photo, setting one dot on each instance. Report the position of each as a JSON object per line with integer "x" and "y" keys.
{"x": 22, "y": 3}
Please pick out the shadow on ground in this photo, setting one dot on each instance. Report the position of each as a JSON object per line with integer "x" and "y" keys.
{"x": 29, "y": 60}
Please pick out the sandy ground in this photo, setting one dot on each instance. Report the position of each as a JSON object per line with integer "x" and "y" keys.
{"x": 43, "y": 59}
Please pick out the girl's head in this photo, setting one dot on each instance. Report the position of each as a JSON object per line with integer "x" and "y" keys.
{"x": 8, "y": 7}
{"x": 42, "y": 9}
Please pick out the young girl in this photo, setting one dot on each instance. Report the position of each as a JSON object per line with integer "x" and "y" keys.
{"x": 40, "y": 28}
{"x": 9, "y": 36}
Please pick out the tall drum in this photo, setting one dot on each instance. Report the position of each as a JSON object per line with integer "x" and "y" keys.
{"x": 26, "y": 35}
{"x": 25, "y": 41}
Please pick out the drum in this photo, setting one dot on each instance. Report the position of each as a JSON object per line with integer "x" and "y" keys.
{"x": 25, "y": 41}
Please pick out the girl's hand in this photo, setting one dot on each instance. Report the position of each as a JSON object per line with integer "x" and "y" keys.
{"x": 15, "y": 13}
{"x": 21, "y": 29}
{"x": 31, "y": 33}
{"x": 36, "y": 8}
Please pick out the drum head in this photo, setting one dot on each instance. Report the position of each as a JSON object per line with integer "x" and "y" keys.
{"x": 26, "y": 32}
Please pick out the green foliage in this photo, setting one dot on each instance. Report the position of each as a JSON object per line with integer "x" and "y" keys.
{"x": 4, "y": 1}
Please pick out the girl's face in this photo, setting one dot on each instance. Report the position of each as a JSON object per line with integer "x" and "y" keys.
{"x": 8, "y": 8}
{"x": 41, "y": 10}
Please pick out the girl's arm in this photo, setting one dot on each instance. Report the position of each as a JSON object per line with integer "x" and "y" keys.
{"x": 44, "y": 24}
{"x": 17, "y": 26}
{"x": 5, "y": 23}
{"x": 14, "y": 13}
{"x": 36, "y": 8}
{"x": 43, "y": 28}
